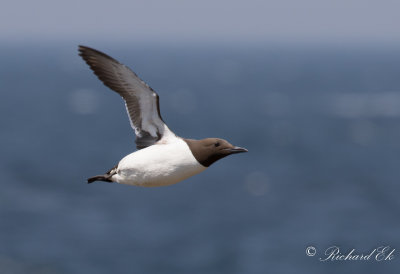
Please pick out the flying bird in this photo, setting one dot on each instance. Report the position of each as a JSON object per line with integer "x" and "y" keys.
{"x": 162, "y": 158}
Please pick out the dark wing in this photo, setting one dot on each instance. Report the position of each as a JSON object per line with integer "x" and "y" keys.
{"x": 142, "y": 102}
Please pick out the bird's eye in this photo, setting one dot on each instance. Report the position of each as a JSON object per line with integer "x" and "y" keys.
{"x": 217, "y": 144}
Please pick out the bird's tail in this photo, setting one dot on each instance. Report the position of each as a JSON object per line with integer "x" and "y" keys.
{"x": 105, "y": 177}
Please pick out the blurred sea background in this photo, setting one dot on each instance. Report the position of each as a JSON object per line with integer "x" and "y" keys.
{"x": 322, "y": 128}
{"x": 321, "y": 122}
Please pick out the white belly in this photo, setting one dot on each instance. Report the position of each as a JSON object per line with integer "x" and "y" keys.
{"x": 158, "y": 165}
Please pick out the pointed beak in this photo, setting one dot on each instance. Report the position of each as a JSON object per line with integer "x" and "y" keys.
{"x": 236, "y": 150}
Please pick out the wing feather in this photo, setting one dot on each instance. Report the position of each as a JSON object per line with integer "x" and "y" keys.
{"x": 141, "y": 101}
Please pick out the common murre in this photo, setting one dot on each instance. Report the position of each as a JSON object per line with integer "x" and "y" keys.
{"x": 163, "y": 158}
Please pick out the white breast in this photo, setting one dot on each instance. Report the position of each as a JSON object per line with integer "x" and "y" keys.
{"x": 158, "y": 165}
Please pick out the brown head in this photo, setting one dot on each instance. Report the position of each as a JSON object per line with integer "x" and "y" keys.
{"x": 210, "y": 150}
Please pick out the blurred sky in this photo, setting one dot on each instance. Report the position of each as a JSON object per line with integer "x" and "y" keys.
{"x": 248, "y": 22}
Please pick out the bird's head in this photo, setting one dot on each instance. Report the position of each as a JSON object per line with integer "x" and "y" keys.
{"x": 210, "y": 150}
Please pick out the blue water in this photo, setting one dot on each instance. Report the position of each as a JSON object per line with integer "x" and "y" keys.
{"x": 323, "y": 131}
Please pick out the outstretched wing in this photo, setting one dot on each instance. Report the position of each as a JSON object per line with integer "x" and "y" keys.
{"x": 142, "y": 102}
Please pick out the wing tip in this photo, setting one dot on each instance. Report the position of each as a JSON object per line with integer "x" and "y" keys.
{"x": 83, "y": 49}
{"x": 86, "y": 52}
